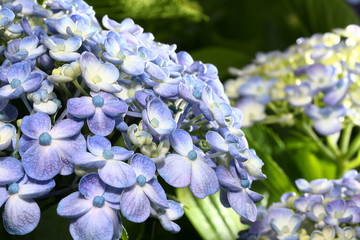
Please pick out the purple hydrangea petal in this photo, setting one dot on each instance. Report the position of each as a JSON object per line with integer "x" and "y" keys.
{"x": 143, "y": 166}
{"x": 114, "y": 107}
{"x": 81, "y": 107}
{"x": 10, "y": 93}
{"x": 181, "y": 142}
{"x": 91, "y": 186}
{"x": 9, "y": 113}
{"x": 66, "y": 128}
{"x": 133, "y": 65}
{"x": 223, "y": 197}
{"x": 97, "y": 144}
{"x": 73, "y": 205}
{"x": 135, "y": 205}
{"x": 121, "y": 153}
{"x": 216, "y": 141}
{"x": 155, "y": 193}
{"x": 175, "y": 170}
{"x": 41, "y": 162}
{"x": 20, "y": 216}
{"x": 327, "y": 126}
{"x": 18, "y": 71}
{"x": 117, "y": 174}
{"x": 100, "y": 123}
{"x": 112, "y": 194}
{"x": 227, "y": 180}
{"x": 169, "y": 225}
{"x": 32, "y": 83}
{"x": 3, "y": 195}
{"x": 88, "y": 160}
{"x": 10, "y": 170}
{"x": 35, "y": 189}
{"x": 94, "y": 225}
{"x": 116, "y": 220}
{"x": 175, "y": 211}
{"x": 155, "y": 71}
{"x": 243, "y": 205}
{"x": 203, "y": 179}
{"x": 32, "y": 126}
{"x": 25, "y": 143}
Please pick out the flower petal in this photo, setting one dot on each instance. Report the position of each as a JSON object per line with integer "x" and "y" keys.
{"x": 100, "y": 123}
{"x": 143, "y": 166}
{"x": 20, "y": 216}
{"x": 10, "y": 170}
{"x": 81, "y": 107}
{"x": 242, "y": 204}
{"x": 91, "y": 186}
{"x": 32, "y": 126}
{"x": 175, "y": 170}
{"x": 85, "y": 159}
{"x": 117, "y": 174}
{"x": 73, "y": 205}
{"x": 203, "y": 179}
{"x": 94, "y": 225}
{"x": 181, "y": 142}
{"x": 135, "y": 205}
{"x": 35, "y": 189}
{"x": 155, "y": 193}
{"x": 66, "y": 128}
{"x": 97, "y": 144}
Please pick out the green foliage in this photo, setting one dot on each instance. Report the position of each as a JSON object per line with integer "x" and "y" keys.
{"x": 209, "y": 217}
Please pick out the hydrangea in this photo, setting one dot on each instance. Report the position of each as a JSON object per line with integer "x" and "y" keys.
{"x": 326, "y": 209}
{"x": 117, "y": 113}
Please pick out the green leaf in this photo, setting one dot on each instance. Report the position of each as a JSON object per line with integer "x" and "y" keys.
{"x": 124, "y": 235}
{"x": 209, "y": 217}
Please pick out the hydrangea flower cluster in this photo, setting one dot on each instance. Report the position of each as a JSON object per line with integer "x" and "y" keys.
{"x": 325, "y": 210}
{"x": 118, "y": 110}
{"x": 317, "y": 77}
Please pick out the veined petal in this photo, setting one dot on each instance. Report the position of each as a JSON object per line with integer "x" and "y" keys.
{"x": 203, "y": 179}
{"x": 168, "y": 225}
{"x": 20, "y": 216}
{"x": 81, "y": 107}
{"x": 3, "y": 195}
{"x": 181, "y": 142}
{"x": 121, "y": 154}
{"x": 227, "y": 180}
{"x": 143, "y": 166}
{"x": 155, "y": 193}
{"x": 66, "y": 128}
{"x": 135, "y": 205}
{"x": 41, "y": 162}
{"x": 72, "y": 44}
{"x": 91, "y": 186}
{"x": 175, "y": 170}
{"x": 74, "y": 205}
{"x": 216, "y": 141}
{"x": 243, "y": 205}
{"x": 175, "y": 211}
{"x": 100, "y": 123}
{"x": 32, "y": 126}
{"x": 35, "y": 189}
{"x": 88, "y": 160}
{"x": 10, "y": 170}
{"x": 18, "y": 71}
{"x": 133, "y": 65}
{"x": 94, "y": 225}
{"x": 117, "y": 174}
{"x": 97, "y": 144}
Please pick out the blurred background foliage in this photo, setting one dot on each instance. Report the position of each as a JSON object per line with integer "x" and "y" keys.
{"x": 225, "y": 33}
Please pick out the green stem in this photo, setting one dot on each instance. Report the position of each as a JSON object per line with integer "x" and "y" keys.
{"x": 77, "y": 85}
{"x": 66, "y": 90}
{"x": 354, "y": 147}
{"x": 353, "y": 164}
{"x": 345, "y": 138}
{"x": 324, "y": 149}
{"x": 332, "y": 143}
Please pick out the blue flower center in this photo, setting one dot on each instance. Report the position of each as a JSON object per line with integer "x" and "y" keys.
{"x": 197, "y": 94}
{"x": 98, "y": 201}
{"x": 154, "y": 122}
{"x": 141, "y": 180}
{"x": 98, "y": 101}
{"x": 108, "y": 154}
{"x": 13, "y": 188}
{"x": 15, "y": 83}
{"x": 192, "y": 155}
{"x": 45, "y": 139}
{"x": 245, "y": 183}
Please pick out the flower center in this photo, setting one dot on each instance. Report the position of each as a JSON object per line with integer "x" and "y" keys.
{"x": 154, "y": 122}
{"x": 61, "y": 47}
{"x": 98, "y": 201}
{"x": 96, "y": 79}
{"x": 245, "y": 183}
{"x": 15, "y": 83}
{"x": 285, "y": 229}
{"x": 192, "y": 155}
{"x": 108, "y": 154}
{"x": 45, "y": 139}
{"x": 338, "y": 214}
{"x": 13, "y": 188}
{"x": 141, "y": 180}
{"x": 98, "y": 101}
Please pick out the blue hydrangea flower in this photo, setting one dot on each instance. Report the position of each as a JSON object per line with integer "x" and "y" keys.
{"x": 158, "y": 118}
{"x": 47, "y": 151}
{"x": 26, "y": 48}
{"x": 167, "y": 215}
{"x": 63, "y": 50}
{"x": 318, "y": 186}
{"x": 8, "y": 112}
{"x": 252, "y": 111}
{"x": 20, "y": 79}
{"x": 100, "y": 110}
{"x": 285, "y": 223}
{"x": 21, "y": 213}
{"x": 299, "y": 95}
{"x": 189, "y": 167}
{"x": 321, "y": 76}
{"x": 99, "y": 76}
{"x": 235, "y": 193}
{"x": 44, "y": 99}
{"x": 6, "y": 17}
{"x": 340, "y": 211}
{"x": 109, "y": 161}
{"x": 136, "y": 199}
{"x": 93, "y": 209}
